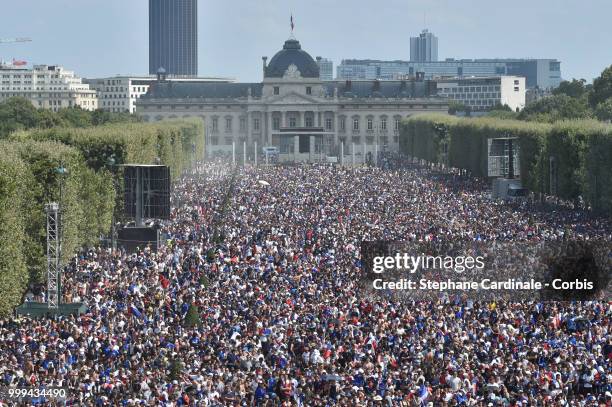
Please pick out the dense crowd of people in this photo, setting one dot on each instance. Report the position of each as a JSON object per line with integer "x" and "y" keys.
{"x": 254, "y": 300}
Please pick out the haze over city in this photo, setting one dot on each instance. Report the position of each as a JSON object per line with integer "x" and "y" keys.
{"x": 103, "y": 38}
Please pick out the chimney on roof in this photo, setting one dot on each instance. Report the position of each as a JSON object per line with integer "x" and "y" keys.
{"x": 265, "y": 63}
{"x": 161, "y": 74}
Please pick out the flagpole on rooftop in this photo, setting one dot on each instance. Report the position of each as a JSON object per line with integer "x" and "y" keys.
{"x": 292, "y": 25}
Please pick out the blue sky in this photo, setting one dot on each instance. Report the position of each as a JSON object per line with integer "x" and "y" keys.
{"x": 108, "y": 37}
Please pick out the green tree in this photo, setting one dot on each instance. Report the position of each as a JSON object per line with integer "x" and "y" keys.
{"x": 192, "y": 319}
{"x": 100, "y": 117}
{"x": 13, "y": 267}
{"x": 554, "y": 108}
{"x": 76, "y": 117}
{"x": 503, "y": 108}
{"x": 502, "y": 112}
{"x": 454, "y": 107}
{"x": 15, "y": 114}
{"x": 48, "y": 119}
{"x": 576, "y": 88}
{"x": 603, "y": 111}
{"x": 602, "y": 88}
{"x": 176, "y": 369}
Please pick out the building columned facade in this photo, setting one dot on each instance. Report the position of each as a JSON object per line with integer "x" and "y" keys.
{"x": 173, "y": 37}
{"x": 47, "y": 87}
{"x": 292, "y": 109}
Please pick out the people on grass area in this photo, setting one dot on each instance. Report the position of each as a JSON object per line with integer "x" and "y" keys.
{"x": 254, "y": 300}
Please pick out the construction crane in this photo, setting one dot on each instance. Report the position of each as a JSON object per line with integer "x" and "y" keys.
{"x": 11, "y": 40}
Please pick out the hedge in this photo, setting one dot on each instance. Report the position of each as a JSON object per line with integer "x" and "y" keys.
{"x": 137, "y": 143}
{"x": 86, "y": 196}
{"x": 29, "y": 179}
{"x": 581, "y": 149}
{"x": 13, "y": 268}
{"x": 583, "y": 156}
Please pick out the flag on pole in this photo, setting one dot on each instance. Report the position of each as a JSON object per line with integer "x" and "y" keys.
{"x": 292, "y": 23}
{"x": 135, "y": 311}
{"x": 423, "y": 393}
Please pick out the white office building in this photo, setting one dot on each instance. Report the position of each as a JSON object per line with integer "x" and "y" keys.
{"x": 483, "y": 93}
{"x": 120, "y": 93}
{"x": 47, "y": 87}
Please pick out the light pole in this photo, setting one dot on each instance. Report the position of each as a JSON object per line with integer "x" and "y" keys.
{"x": 62, "y": 171}
{"x": 244, "y": 151}
{"x": 376, "y": 143}
{"x": 233, "y": 152}
{"x": 111, "y": 164}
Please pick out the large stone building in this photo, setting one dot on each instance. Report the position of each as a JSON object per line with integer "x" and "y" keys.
{"x": 120, "y": 93}
{"x": 293, "y": 110}
{"x": 47, "y": 87}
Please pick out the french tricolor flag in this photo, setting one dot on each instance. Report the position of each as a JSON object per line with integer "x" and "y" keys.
{"x": 135, "y": 311}
{"x": 423, "y": 393}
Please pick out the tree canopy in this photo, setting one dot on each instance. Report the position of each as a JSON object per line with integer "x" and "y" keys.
{"x": 576, "y": 88}
{"x": 603, "y": 111}
{"x": 554, "y": 108}
{"x": 18, "y": 113}
{"x": 602, "y": 88}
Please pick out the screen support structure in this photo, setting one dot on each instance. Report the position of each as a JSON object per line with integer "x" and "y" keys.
{"x": 139, "y": 204}
{"x": 53, "y": 255}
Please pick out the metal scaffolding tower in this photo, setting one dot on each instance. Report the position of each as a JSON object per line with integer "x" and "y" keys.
{"x": 53, "y": 306}
{"x": 53, "y": 254}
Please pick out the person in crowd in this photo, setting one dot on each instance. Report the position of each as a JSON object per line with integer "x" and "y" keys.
{"x": 254, "y": 300}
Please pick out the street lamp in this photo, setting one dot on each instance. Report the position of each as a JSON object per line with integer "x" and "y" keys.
{"x": 342, "y": 139}
{"x": 62, "y": 172}
{"x": 111, "y": 164}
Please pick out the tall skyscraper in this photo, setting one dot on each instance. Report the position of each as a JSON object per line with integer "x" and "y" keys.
{"x": 173, "y": 37}
{"x": 424, "y": 48}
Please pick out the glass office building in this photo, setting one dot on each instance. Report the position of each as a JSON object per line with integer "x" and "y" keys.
{"x": 424, "y": 48}
{"x": 173, "y": 37}
{"x": 540, "y": 73}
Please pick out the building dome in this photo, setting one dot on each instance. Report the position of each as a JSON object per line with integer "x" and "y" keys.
{"x": 292, "y": 54}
